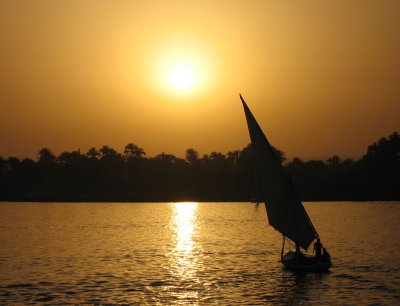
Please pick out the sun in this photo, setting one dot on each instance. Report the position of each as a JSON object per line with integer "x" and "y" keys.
{"x": 180, "y": 66}
{"x": 182, "y": 77}
{"x": 182, "y": 74}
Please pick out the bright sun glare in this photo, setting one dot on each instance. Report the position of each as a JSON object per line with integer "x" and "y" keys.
{"x": 182, "y": 77}
{"x": 180, "y": 67}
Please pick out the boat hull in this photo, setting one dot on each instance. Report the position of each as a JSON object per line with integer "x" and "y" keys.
{"x": 305, "y": 263}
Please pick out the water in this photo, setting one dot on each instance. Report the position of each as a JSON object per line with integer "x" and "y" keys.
{"x": 191, "y": 253}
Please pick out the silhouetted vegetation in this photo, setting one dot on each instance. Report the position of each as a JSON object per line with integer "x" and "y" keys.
{"x": 107, "y": 175}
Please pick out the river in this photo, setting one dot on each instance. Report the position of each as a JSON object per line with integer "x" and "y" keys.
{"x": 192, "y": 253}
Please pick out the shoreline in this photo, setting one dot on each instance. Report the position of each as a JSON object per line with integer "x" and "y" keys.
{"x": 182, "y": 197}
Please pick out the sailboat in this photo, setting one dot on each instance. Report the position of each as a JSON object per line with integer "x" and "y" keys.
{"x": 285, "y": 210}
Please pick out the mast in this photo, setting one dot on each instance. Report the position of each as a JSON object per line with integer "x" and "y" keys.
{"x": 283, "y": 246}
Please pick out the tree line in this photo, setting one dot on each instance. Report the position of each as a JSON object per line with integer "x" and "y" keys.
{"x": 107, "y": 175}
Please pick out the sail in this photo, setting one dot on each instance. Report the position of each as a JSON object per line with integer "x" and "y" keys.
{"x": 284, "y": 209}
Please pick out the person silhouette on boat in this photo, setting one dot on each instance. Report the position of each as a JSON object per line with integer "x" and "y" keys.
{"x": 325, "y": 257}
{"x": 317, "y": 249}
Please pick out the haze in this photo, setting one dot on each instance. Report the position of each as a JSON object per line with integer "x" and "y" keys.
{"x": 321, "y": 77}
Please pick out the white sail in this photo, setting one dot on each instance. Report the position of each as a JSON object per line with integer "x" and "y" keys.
{"x": 285, "y": 210}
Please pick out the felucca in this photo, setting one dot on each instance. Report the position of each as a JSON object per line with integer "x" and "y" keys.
{"x": 285, "y": 210}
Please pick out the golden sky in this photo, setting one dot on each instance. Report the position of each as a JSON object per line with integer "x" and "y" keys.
{"x": 321, "y": 77}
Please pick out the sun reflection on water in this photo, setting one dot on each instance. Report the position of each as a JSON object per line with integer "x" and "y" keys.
{"x": 184, "y": 227}
{"x": 184, "y": 260}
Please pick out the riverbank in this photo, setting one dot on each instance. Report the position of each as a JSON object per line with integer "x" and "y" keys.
{"x": 189, "y": 197}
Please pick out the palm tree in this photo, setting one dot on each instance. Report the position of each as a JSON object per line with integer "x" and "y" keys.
{"x": 134, "y": 151}
{"x": 93, "y": 153}
{"x": 107, "y": 151}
